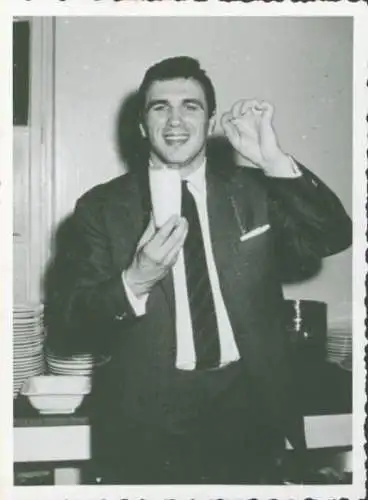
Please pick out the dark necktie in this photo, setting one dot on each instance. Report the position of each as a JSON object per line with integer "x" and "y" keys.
{"x": 201, "y": 303}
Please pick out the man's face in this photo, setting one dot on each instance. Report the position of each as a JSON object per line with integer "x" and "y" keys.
{"x": 176, "y": 122}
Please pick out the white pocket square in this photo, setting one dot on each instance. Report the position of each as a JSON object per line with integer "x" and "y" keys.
{"x": 255, "y": 232}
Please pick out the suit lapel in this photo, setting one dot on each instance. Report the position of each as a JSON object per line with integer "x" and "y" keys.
{"x": 233, "y": 209}
{"x": 222, "y": 221}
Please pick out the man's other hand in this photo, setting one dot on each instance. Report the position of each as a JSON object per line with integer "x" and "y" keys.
{"x": 156, "y": 253}
{"x": 248, "y": 126}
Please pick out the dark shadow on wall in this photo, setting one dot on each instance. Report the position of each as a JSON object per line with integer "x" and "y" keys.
{"x": 131, "y": 146}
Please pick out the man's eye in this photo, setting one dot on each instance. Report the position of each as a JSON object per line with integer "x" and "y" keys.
{"x": 158, "y": 107}
{"x": 191, "y": 106}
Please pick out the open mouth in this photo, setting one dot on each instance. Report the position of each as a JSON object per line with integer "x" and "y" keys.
{"x": 176, "y": 139}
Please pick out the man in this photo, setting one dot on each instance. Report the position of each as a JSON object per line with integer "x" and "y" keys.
{"x": 171, "y": 406}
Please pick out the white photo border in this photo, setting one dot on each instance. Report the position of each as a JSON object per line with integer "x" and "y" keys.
{"x": 360, "y": 107}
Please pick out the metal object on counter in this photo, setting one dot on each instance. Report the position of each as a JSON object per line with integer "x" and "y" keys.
{"x": 306, "y": 322}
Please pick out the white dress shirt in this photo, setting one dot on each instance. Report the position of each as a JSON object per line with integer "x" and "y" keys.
{"x": 185, "y": 350}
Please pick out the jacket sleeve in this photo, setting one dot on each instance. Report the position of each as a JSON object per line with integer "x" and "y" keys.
{"x": 85, "y": 296}
{"x": 309, "y": 223}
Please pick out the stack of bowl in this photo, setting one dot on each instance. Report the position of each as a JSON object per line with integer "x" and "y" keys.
{"x": 76, "y": 364}
{"x": 28, "y": 339}
{"x": 339, "y": 342}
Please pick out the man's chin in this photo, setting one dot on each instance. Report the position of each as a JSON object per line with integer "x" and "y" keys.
{"x": 178, "y": 161}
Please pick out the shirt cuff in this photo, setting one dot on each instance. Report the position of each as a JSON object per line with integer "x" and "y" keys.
{"x": 138, "y": 304}
{"x": 288, "y": 169}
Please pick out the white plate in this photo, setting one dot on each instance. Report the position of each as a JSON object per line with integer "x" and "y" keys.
{"x": 24, "y": 371}
{"x": 25, "y": 348}
{"x": 37, "y": 339}
{"x": 76, "y": 362}
{"x": 71, "y": 372}
{"x": 342, "y": 346}
{"x": 22, "y": 351}
{"x": 26, "y": 362}
{"x": 69, "y": 358}
{"x": 28, "y": 342}
{"x": 75, "y": 357}
{"x": 339, "y": 339}
{"x": 69, "y": 361}
{"x": 23, "y": 364}
{"x": 23, "y": 320}
{"x": 70, "y": 367}
{"x": 23, "y": 332}
{"x": 25, "y": 376}
{"x": 28, "y": 334}
{"x": 30, "y": 373}
{"x": 17, "y": 370}
{"x": 23, "y": 329}
{"x": 339, "y": 351}
{"x": 34, "y": 345}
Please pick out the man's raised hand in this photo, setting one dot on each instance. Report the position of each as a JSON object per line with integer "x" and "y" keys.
{"x": 248, "y": 126}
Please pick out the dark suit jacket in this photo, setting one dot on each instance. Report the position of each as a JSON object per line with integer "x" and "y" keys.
{"x": 88, "y": 305}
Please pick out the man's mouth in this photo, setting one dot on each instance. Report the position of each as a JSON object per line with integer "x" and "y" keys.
{"x": 176, "y": 139}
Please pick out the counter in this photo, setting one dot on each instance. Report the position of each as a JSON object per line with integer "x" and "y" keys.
{"x": 64, "y": 440}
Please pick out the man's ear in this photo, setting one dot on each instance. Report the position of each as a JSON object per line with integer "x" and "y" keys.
{"x": 143, "y": 130}
{"x": 211, "y": 125}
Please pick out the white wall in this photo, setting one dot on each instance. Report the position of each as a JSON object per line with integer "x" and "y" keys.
{"x": 301, "y": 65}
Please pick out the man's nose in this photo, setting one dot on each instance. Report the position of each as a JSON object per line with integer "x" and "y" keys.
{"x": 174, "y": 117}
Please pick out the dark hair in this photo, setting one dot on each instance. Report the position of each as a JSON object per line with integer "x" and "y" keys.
{"x": 177, "y": 67}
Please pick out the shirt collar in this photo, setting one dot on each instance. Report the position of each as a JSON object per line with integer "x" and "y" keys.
{"x": 197, "y": 179}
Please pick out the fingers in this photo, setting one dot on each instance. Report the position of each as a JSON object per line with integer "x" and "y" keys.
{"x": 173, "y": 253}
{"x": 268, "y": 109}
{"x": 175, "y": 241}
{"x": 241, "y": 107}
{"x": 167, "y": 241}
{"x": 148, "y": 233}
{"x": 164, "y": 232}
{"x": 244, "y": 106}
{"x": 228, "y": 126}
{"x": 248, "y": 105}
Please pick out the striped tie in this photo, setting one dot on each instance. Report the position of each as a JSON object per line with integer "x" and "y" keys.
{"x": 201, "y": 303}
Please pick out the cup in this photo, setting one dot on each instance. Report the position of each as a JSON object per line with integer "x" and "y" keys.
{"x": 165, "y": 188}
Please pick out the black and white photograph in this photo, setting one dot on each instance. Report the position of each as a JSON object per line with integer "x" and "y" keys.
{"x": 182, "y": 299}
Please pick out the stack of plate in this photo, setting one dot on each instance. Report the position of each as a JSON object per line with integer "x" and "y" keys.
{"x": 339, "y": 343}
{"x": 28, "y": 337}
{"x": 77, "y": 364}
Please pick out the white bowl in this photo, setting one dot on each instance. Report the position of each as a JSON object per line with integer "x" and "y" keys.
{"x": 56, "y": 394}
